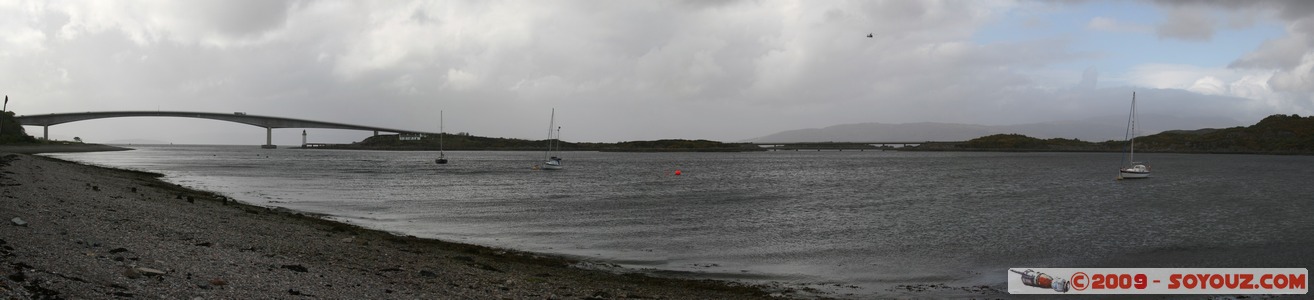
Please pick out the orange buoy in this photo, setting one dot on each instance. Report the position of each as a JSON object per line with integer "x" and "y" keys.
{"x": 677, "y": 172}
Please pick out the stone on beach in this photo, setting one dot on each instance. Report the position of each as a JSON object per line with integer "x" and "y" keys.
{"x": 150, "y": 271}
{"x": 131, "y": 273}
{"x": 18, "y": 276}
{"x": 18, "y": 221}
{"x": 297, "y": 268}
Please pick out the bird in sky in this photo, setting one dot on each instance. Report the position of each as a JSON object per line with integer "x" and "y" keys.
{"x": 869, "y": 35}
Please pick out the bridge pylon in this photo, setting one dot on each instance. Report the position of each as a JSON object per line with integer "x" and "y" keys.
{"x": 269, "y": 139}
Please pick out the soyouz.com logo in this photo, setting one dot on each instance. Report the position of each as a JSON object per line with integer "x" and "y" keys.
{"x": 1158, "y": 281}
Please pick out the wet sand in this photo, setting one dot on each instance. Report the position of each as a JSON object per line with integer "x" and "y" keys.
{"x": 84, "y": 232}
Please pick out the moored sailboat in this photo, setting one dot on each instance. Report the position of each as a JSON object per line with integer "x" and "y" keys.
{"x": 442, "y": 157}
{"x": 553, "y": 162}
{"x": 1132, "y": 169}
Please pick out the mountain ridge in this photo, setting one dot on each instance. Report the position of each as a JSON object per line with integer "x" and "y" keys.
{"x": 1100, "y": 128}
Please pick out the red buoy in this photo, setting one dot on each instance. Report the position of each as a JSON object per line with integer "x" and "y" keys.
{"x": 677, "y": 172}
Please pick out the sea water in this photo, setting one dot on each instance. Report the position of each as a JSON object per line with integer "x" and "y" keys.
{"x": 858, "y": 222}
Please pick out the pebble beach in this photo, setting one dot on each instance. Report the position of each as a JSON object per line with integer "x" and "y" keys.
{"x": 75, "y": 231}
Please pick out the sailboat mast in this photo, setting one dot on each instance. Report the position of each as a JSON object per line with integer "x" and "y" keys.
{"x": 1131, "y": 153}
{"x": 441, "y": 132}
{"x": 551, "y": 123}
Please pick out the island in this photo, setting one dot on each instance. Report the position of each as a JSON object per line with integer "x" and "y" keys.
{"x": 466, "y": 141}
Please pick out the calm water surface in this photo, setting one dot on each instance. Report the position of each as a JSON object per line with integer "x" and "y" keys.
{"x": 867, "y": 219}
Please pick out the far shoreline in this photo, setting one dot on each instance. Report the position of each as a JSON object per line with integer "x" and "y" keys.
{"x": 1100, "y": 151}
{"x": 75, "y": 148}
{"x": 58, "y": 148}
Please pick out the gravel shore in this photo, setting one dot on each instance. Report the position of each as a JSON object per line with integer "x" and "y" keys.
{"x": 55, "y": 148}
{"x": 82, "y": 232}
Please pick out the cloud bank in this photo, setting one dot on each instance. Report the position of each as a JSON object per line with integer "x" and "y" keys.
{"x": 615, "y": 71}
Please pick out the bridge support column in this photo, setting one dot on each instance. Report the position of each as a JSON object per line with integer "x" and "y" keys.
{"x": 376, "y": 133}
{"x": 45, "y": 132}
{"x": 269, "y": 139}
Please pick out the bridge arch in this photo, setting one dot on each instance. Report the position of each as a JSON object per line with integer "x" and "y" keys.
{"x": 267, "y": 122}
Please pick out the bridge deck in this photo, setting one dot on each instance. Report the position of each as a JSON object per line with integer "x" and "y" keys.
{"x": 253, "y": 120}
{"x": 267, "y": 122}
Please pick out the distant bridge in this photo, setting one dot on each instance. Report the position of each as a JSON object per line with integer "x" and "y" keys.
{"x": 266, "y": 122}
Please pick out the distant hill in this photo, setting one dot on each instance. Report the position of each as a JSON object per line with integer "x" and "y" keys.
{"x": 1092, "y": 129}
{"x": 471, "y": 142}
{"x": 1273, "y": 134}
{"x": 1276, "y": 134}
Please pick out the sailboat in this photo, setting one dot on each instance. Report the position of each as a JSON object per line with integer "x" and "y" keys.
{"x": 442, "y": 158}
{"x": 1133, "y": 169}
{"x": 552, "y": 161}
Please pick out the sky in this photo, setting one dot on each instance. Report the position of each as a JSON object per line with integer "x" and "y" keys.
{"x": 644, "y": 70}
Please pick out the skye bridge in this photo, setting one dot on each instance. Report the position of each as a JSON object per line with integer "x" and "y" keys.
{"x": 266, "y": 122}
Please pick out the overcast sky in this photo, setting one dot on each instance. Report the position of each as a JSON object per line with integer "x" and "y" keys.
{"x": 642, "y": 70}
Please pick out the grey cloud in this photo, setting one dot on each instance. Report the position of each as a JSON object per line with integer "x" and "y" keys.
{"x": 1291, "y": 56}
{"x": 1192, "y": 23}
{"x": 1294, "y": 9}
{"x": 1279, "y": 53}
{"x": 1089, "y": 78}
{"x": 218, "y": 23}
{"x": 614, "y": 71}
{"x": 242, "y": 18}
{"x": 705, "y": 4}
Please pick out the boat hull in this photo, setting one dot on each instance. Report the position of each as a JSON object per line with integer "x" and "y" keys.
{"x": 552, "y": 164}
{"x": 1124, "y": 174}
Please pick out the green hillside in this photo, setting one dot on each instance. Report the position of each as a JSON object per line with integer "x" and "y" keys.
{"x": 1018, "y": 141}
{"x": 1276, "y": 134}
{"x": 1273, "y": 134}
{"x": 11, "y": 132}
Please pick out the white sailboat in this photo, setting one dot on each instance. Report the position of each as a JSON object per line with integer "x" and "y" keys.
{"x": 442, "y": 158}
{"x": 1132, "y": 169}
{"x": 553, "y": 162}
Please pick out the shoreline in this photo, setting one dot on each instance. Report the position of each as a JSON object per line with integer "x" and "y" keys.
{"x": 908, "y": 149}
{"x": 95, "y": 232}
{"x": 1101, "y": 151}
{"x": 58, "y": 148}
